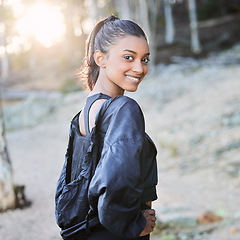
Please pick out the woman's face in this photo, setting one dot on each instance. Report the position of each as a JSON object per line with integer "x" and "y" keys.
{"x": 126, "y": 63}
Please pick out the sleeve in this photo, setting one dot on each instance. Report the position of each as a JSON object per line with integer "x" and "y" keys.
{"x": 150, "y": 171}
{"x": 118, "y": 182}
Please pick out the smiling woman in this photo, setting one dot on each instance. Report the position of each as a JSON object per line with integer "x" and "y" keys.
{"x": 114, "y": 202}
{"x": 44, "y": 22}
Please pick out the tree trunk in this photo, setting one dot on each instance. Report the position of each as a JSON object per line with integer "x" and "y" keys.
{"x": 169, "y": 24}
{"x": 7, "y": 195}
{"x": 4, "y": 59}
{"x": 195, "y": 43}
{"x": 143, "y": 19}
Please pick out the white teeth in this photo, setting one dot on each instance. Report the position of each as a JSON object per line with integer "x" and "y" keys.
{"x": 133, "y": 78}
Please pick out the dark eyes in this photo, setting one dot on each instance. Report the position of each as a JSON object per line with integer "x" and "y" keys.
{"x": 127, "y": 57}
{"x": 131, "y": 58}
{"x": 145, "y": 60}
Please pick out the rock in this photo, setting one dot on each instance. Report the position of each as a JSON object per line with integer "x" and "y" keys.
{"x": 234, "y": 230}
{"x": 209, "y": 217}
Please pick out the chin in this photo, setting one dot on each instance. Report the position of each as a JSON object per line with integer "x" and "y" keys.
{"x": 131, "y": 87}
{"x": 132, "y": 90}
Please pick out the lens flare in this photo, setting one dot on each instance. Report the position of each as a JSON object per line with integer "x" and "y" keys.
{"x": 43, "y": 22}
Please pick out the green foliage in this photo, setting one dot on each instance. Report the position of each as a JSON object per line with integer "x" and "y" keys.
{"x": 221, "y": 211}
{"x": 166, "y": 236}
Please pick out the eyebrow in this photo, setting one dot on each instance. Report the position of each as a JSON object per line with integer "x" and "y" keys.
{"x": 127, "y": 50}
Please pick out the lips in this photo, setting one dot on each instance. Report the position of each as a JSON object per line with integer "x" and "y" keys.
{"x": 134, "y": 79}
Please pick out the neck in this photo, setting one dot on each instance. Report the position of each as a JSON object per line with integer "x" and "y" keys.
{"x": 106, "y": 87}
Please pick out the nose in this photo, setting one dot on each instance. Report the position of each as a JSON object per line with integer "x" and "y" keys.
{"x": 138, "y": 67}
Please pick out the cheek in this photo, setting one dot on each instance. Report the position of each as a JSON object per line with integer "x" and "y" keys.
{"x": 145, "y": 69}
{"x": 121, "y": 67}
{"x": 116, "y": 65}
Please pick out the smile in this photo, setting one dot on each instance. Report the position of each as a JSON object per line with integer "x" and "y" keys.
{"x": 133, "y": 79}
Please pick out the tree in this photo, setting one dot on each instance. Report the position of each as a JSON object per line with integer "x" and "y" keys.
{"x": 145, "y": 13}
{"x": 7, "y": 195}
{"x": 4, "y": 58}
{"x": 169, "y": 24}
{"x": 195, "y": 43}
{"x": 154, "y": 7}
{"x": 147, "y": 16}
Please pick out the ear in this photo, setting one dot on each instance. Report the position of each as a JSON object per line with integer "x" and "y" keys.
{"x": 99, "y": 58}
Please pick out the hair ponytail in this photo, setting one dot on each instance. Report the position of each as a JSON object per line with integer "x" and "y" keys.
{"x": 90, "y": 70}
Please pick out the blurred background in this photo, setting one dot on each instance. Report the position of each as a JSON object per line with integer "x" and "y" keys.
{"x": 190, "y": 98}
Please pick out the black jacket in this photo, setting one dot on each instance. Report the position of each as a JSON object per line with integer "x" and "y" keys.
{"x": 126, "y": 175}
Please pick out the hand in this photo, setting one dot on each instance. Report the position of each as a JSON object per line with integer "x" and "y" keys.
{"x": 149, "y": 215}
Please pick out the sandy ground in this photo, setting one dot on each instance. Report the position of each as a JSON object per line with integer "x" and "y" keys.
{"x": 184, "y": 109}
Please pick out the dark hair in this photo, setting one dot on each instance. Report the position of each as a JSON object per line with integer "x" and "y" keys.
{"x": 103, "y": 36}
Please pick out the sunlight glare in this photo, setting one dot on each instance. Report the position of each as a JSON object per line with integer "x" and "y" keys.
{"x": 44, "y": 22}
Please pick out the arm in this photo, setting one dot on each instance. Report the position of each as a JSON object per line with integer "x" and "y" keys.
{"x": 118, "y": 182}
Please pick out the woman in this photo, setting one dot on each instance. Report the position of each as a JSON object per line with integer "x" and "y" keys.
{"x": 117, "y": 59}
{"x": 124, "y": 184}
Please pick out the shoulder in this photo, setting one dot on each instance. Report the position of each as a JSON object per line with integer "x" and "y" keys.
{"x": 123, "y": 116}
{"x": 122, "y": 104}
{"x": 125, "y": 100}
